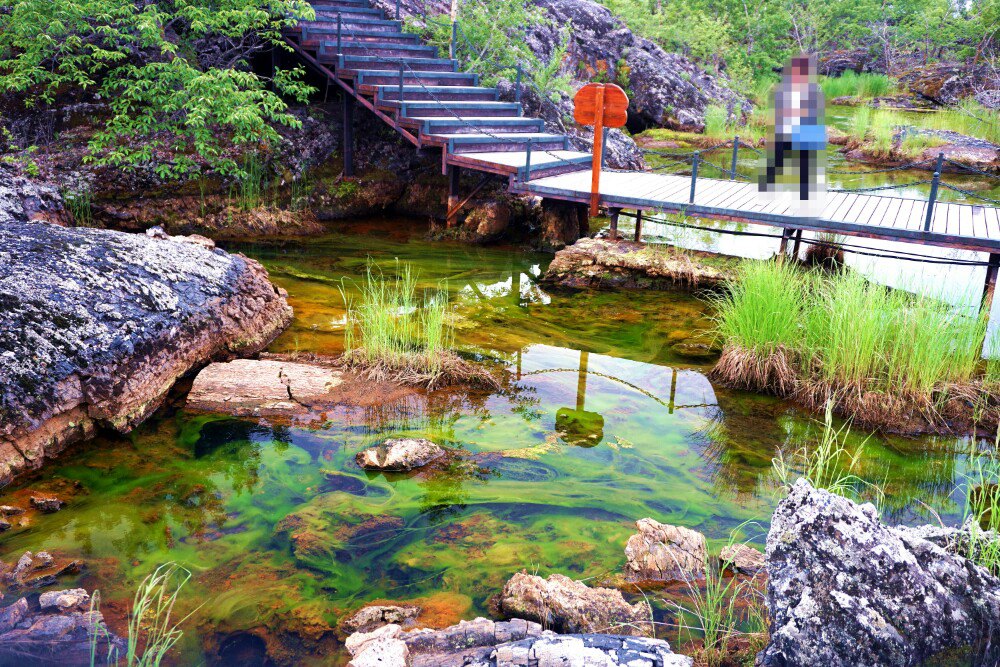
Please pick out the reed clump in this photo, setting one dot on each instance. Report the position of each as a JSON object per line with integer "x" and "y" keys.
{"x": 886, "y": 358}
{"x": 394, "y": 335}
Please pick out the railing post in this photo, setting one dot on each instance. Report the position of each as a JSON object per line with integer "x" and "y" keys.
{"x": 397, "y": 10}
{"x": 694, "y": 174}
{"x": 400, "y": 84}
{"x": 340, "y": 50}
{"x": 604, "y": 143}
{"x": 527, "y": 163}
{"x": 736, "y": 155}
{"x": 517, "y": 85}
{"x": 454, "y": 38}
{"x": 934, "y": 189}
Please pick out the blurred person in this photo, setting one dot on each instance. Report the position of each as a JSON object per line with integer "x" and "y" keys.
{"x": 796, "y": 152}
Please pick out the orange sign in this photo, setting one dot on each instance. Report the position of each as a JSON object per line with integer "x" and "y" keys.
{"x": 614, "y": 105}
{"x": 601, "y": 105}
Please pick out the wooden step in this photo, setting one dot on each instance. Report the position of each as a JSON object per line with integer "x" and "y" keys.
{"x": 373, "y": 38}
{"x": 438, "y": 93}
{"x": 357, "y": 63}
{"x": 348, "y": 24}
{"x": 449, "y": 109}
{"x": 328, "y": 49}
{"x": 465, "y": 124}
{"x": 331, "y": 14}
{"x": 543, "y": 163}
{"x": 334, "y": 5}
{"x": 389, "y": 77}
{"x": 500, "y": 142}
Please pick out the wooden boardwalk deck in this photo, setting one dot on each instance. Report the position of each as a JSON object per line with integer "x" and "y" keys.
{"x": 963, "y": 226}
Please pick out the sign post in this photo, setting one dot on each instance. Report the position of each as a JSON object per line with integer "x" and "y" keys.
{"x": 600, "y": 105}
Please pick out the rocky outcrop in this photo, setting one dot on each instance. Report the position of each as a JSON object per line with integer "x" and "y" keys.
{"x": 514, "y": 643}
{"x": 665, "y": 89}
{"x": 24, "y": 200}
{"x": 57, "y": 629}
{"x": 400, "y": 455}
{"x": 594, "y": 263}
{"x": 660, "y": 552}
{"x": 946, "y": 83}
{"x": 844, "y": 589}
{"x": 562, "y": 223}
{"x": 569, "y": 606}
{"x": 98, "y": 326}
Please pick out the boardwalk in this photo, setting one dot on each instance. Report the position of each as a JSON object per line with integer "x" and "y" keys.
{"x": 873, "y": 216}
{"x": 431, "y": 103}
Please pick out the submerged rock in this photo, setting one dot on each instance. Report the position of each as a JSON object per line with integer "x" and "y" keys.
{"x": 742, "y": 559}
{"x": 845, "y": 589}
{"x": 624, "y": 264}
{"x": 98, "y": 326}
{"x": 514, "y": 643}
{"x": 400, "y": 455}
{"x": 245, "y": 387}
{"x": 47, "y": 504}
{"x": 60, "y": 631}
{"x": 368, "y": 618}
{"x": 35, "y": 571}
{"x": 661, "y": 552}
{"x": 571, "y": 606}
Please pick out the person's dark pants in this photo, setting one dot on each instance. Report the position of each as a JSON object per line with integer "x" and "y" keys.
{"x": 776, "y": 164}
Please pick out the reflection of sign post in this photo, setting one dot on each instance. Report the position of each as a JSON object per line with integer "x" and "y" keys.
{"x": 580, "y": 427}
{"x": 601, "y": 105}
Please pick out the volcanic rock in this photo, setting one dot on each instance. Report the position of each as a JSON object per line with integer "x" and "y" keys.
{"x": 742, "y": 558}
{"x": 47, "y": 504}
{"x": 98, "y": 325}
{"x": 371, "y": 617}
{"x": 660, "y": 552}
{"x": 844, "y": 589}
{"x": 571, "y": 606}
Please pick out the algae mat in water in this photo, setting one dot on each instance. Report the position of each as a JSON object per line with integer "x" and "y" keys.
{"x": 603, "y": 423}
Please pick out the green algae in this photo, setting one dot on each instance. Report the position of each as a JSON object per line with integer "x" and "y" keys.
{"x": 285, "y": 534}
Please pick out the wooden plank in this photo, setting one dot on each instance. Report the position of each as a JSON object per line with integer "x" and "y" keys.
{"x": 904, "y": 216}
{"x": 880, "y": 212}
{"x": 671, "y": 192}
{"x": 851, "y": 214}
{"x": 864, "y": 214}
{"x": 891, "y": 213}
{"x": 992, "y": 223}
{"x": 719, "y": 194}
{"x": 708, "y": 191}
{"x": 734, "y": 195}
{"x": 843, "y": 208}
{"x": 965, "y": 220}
{"x": 979, "y": 222}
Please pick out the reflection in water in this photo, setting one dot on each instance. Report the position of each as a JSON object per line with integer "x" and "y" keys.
{"x": 285, "y": 532}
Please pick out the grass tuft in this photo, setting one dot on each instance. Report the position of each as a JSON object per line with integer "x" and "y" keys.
{"x": 882, "y": 356}
{"x": 394, "y": 335}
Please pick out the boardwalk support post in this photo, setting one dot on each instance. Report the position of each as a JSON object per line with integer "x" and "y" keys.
{"x": 798, "y": 244}
{"x": 783, "y": 248}
{"x": 615, "y": 212}
{"x": 935, "y": 180}
{"x": 348, "y": 103}
{"x": 991, "y": 282}
{"x": 454, "y": 38}
{"x": 694, "y": 174}
{"x": 736, "y": 154}
{"x": 453, "y": 185}
{"x": 638, "y": 226}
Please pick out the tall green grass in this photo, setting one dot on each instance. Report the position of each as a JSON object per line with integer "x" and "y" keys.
{"x": 845, "y": 338}
{"x": 982, "y": 509}
{"x": 852, "y": 84}
{"x": 827, "y": 465}
{"x": 388, "y": 324}
{"x": 718, "y": 124}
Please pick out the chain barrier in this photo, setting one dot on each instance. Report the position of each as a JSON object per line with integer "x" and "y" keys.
{"x": 878, "y": 188}
{"x": 969, "y": 193}
{"x": 973, "y": 170}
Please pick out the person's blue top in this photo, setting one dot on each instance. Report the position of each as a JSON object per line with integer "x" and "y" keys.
{"x": 809, "y": 137}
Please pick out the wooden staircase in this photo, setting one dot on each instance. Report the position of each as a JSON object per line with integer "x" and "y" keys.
{"x": 426, "y": 98}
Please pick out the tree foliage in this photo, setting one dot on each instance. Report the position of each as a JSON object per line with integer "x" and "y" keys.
{"x": 176, "y": 74}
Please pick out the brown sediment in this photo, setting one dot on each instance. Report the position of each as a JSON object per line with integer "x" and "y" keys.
{"x": 951, "y": 409}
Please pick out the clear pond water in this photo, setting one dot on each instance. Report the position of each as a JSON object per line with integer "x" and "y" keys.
{"x": 605, "y": 420}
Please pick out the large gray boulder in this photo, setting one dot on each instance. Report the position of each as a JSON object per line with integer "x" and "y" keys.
{"x": 846, "y": 590}
{"x": 98, "y": 325}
